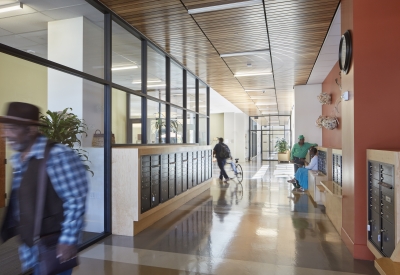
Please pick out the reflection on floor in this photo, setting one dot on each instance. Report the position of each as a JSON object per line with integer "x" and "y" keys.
{"x": 256, "y": 227}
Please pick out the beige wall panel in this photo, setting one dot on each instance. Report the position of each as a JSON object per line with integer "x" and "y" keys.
{"x": 119, "y": 116}
{"x": 23, "y": 81}
{"x": 125, "y": 197}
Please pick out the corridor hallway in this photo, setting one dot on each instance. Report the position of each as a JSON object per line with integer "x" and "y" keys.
{"x": 229, "y": 231}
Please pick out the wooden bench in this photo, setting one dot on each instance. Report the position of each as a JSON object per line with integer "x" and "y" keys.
{"x": 386, "y": 266}
{"x": 333, "y": 203}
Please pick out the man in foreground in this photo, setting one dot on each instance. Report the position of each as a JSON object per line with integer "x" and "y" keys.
{"x": 64, "y": 196}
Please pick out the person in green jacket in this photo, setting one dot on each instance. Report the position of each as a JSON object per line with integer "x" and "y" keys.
{"x": 299, "y": 152}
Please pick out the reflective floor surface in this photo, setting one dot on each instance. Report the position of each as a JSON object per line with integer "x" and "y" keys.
{"x": 256, "y": 227}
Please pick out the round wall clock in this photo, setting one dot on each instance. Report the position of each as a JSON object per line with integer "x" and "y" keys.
{"x": 345, "y": 49}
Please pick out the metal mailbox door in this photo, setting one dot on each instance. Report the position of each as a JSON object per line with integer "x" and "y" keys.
{"x": 375, "y": 228}
{"x": 388, "y": 239}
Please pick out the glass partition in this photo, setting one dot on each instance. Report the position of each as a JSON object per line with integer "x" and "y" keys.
{"x": 176, "y": 125}
{"x": 202, "y": 98}
{"x": 191, "y": 92}
{"x": 203, "y": 130}
{"x": 176, "y": 84}
{"x": 155, "y": 74}
{"x": 191, "y": 127}
{"x": 156, "y": 122}
{"x": 126, "y": 58}
{"x": 70, "y": 35}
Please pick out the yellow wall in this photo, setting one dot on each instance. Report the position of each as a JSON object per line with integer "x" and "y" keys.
{"x": 119, "y": 116}
{"x": 216, "y": 127}
{"x": 24, "y": 81}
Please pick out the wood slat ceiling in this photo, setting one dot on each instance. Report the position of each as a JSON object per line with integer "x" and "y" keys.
{"x": 297, "y": 29}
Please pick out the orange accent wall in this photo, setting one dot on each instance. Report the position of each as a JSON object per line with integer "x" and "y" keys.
{"x": 370, "y": 116}
{"x": 332, "y": 138}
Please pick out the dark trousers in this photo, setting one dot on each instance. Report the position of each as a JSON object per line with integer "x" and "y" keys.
{"x": 221, "y": 164}
{"x": 296, "y": 161}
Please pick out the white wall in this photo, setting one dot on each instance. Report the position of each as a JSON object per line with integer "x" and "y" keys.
{"x": 216, "y": 127}
{"x": 241, "y": 130}
{"x": 229, "y": 132}
{"x": 307, "y": 110}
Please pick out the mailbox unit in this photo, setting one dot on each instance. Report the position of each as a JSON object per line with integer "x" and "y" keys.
{"x": 337, "y": 166}
{"x": 315, "y": 189}
{"x": 149, "y": 182}
{"x": 168, "y": 175}
{"x": 383, "y": 197}
{"x": 381, "y": 221}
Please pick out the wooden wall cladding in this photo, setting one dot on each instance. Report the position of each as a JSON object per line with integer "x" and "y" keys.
{"x": 296, "y": 31}
{"x": 2, "y": 172}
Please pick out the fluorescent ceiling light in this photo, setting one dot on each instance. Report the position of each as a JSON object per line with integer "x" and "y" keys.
{"x": 259, "y": 90}
{"x": 252, "y": 74}
{"x": 266, "y": 51}
{"x": 262, "y": 103}
{"x": 159, "y": 85}
{"x": 148, "y": 81}
{"x": 11, "y": 7}
{"x": 225, "y": 6}
{"x": 124, "y": 68}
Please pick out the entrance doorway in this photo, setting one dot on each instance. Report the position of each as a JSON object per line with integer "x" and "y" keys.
{"x": 269, "y": 129}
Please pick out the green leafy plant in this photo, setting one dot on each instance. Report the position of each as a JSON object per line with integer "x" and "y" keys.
{"x": 159, "y": 124}
{"x": 66, "y": 128}
{"x": 281, "y": 145}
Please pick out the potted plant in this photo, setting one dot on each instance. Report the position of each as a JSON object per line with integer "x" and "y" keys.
{"x": 281, "y": 146}
{"x": 66, "y": 128}
{"x": 159, "y": 126}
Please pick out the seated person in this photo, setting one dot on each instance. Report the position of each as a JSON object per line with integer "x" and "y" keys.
{"x": 300, "y": 180}
{"x": 299, "y": 152}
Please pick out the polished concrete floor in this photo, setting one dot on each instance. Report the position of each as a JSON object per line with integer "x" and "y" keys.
{"x": 256, "y": 227}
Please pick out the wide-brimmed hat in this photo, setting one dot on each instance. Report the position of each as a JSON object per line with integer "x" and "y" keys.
{"x": 21, "y": 113}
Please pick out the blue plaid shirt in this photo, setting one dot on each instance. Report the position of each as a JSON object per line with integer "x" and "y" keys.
{"x": 69, "y": 179}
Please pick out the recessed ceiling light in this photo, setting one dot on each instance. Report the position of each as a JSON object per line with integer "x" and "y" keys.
{"x": 252, "y": 74}
{"x": 148, "y": 81}
{"x": 124, "y": 68}
{"x": 259, "y": 90}
{"x": 265, "y": 103}
{"x": 11, "y": 7}
{"x": 225, "y": 6}
{"x": 159, "y": 85}
{"x": 265, "y": 51}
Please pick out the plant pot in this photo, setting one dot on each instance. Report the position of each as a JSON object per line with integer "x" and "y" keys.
{"x": 284, "y": 156}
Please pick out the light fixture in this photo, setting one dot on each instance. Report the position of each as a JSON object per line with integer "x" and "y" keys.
{"x": 11, "y": 7}
{"x": 259, "y": 90}
{"x": 252, "y": 74}
{"x": 159, "y": 85}
{"x": 124, "y": 68}
{"x": 225, "y": 6}
{"x": 345, "y": 96}
{"x": 262, "y": 103}
{"x": 148, "y": 81}
{"x": 265, "y": 51}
